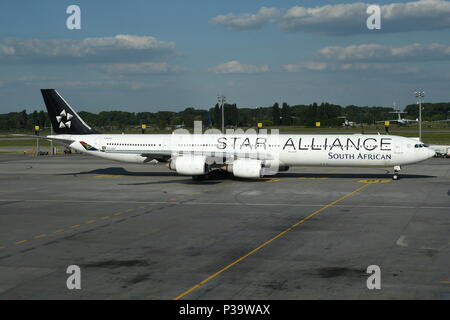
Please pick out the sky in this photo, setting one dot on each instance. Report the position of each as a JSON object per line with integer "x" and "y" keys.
{"x": 156, "y": 55}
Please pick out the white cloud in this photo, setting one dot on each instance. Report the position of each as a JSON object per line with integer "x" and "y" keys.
{"x": 247, "y": 21}
{"x": 99, "y": 49}
{"x": 141, "y": 68}
{"x": 379, "y": 52}
{"x": 6, "y": 50}
{"x": 373, "y": 57}
{"x": 347, "y": 67}
{"x": 236, "y": 67}
{"x": 325, "y": 19}
{"x": 309, "y": 65}
{"x": 351, "y": 18}
{"x": 344, "y": 19}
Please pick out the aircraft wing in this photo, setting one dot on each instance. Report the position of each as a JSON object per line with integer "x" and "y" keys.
{"x": 157, "y": 155}
{"x": 165, "y": 155}
{"x": 260, "y": 155}
{"x": 254, "y": 155}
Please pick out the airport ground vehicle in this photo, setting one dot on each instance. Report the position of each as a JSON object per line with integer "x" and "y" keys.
{"x": 441, "y": 150}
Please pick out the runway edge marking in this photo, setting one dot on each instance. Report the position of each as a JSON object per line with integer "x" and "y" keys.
{"x": 269, "y": 241}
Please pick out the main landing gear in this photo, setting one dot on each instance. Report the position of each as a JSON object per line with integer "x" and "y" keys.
{"x": 199, "y": 177}
{"x": 395, "y": 175}
{"x": 211, "y": 175}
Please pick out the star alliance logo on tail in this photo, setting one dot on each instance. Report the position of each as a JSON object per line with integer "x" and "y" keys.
{"x": 67, "y": 123}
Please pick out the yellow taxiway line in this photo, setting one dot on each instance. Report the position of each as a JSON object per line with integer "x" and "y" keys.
{"x": 269, "y": 241}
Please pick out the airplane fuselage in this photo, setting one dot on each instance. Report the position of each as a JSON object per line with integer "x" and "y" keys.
{"x": 289, "y": 149}
{"x": 244, "y": 154}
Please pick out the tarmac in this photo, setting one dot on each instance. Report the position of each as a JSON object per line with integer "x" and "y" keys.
{"x": 144, "y": 232}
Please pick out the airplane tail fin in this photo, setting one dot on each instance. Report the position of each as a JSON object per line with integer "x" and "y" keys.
{"x": 64, "y": 119}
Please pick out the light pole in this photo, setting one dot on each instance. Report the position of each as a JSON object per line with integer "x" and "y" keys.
{"x": 419, "y": 96}
{"x": 221, "y": 100}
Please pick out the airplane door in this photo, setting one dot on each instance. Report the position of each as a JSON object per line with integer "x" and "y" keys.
{"x": 104, "y": 143}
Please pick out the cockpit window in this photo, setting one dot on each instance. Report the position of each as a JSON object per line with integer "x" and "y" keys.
{"x": 421, "y": 145}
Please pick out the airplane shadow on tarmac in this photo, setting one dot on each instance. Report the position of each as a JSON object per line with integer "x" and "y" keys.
{"x": 216, "y": 177}
{"x": 120, "y": 171}
{"x": 361, "y": 175}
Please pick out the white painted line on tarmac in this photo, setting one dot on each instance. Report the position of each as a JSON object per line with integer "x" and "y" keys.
{"x": 224, "y": 203}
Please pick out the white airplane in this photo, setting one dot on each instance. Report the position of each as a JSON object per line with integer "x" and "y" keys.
{"x": 402, "y": 121}
{"x": 244, "y": 155}
{"x": 399, "y": 120}
{"x": 346, "y": 122}
{"x": 441, "y": 150}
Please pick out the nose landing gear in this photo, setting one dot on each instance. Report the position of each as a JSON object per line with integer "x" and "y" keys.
{"x": 395, "y": 175}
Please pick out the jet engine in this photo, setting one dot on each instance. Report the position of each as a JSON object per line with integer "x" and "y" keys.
{"x": 273, "y": 167}
{"x": 246, "y": 168}
{"x": 189, "y": 165}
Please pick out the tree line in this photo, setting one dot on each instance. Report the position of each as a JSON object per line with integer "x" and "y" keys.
{"x": 275, "y": 115}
